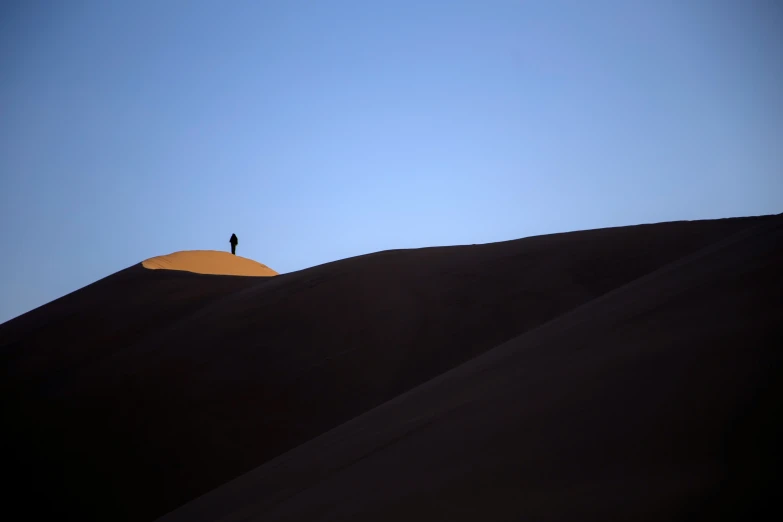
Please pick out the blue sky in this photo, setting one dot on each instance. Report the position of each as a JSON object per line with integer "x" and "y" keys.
{"x": 322, "y": 130}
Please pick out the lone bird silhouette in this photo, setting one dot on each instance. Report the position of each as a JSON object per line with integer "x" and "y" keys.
{"x": 234, "y": 242}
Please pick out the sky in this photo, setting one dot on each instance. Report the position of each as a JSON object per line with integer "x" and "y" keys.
{"x": 320, "y": 130}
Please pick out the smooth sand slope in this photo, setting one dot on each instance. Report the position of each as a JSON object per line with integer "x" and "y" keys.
{"x": 138, "y": 393}
{"x": 657, "y": 401}
{"x": 209, "y": 262}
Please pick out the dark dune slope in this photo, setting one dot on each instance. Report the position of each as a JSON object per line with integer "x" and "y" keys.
{"x": 93, "y": 322}
{"x": 136, "y": 394}
{"x": 658, "y": 401}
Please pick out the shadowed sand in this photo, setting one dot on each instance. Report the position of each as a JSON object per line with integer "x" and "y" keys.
{"x": 612, "y": 395}
{"x": 209, "y": 262}
{"x": 656, "y": 401}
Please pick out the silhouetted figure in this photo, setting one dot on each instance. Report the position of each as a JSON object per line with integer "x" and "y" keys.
{"x": 234, "y": 242}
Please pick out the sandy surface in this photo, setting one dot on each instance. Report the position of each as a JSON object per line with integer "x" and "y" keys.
{"x": 131, "y": 397}
{"x": 658, "y": 401}
{"x": 208, "y": 262}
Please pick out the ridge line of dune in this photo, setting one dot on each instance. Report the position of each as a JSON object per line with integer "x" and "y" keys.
{"x": 213, "y": 262}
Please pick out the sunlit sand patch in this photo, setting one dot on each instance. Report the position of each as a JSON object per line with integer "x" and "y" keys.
{"x": 208, "y": 262}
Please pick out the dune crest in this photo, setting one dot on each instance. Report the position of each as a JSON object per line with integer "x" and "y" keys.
{"x": 209, "y": 262}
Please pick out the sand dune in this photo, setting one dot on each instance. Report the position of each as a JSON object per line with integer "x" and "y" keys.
{"x": 136, "y": 394}
{"x": 644, "y": 404}
{"x": 208, "y": 262}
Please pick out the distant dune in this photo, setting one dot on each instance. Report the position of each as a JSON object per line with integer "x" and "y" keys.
{"x": 616, "y": 374}
{"x": 208, "y": 262}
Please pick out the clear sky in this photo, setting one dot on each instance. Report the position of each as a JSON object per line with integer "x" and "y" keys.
{"x": 319, "y": 130}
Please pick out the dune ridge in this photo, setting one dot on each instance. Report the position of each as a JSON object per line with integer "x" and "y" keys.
{"x": 211, "y": 262}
